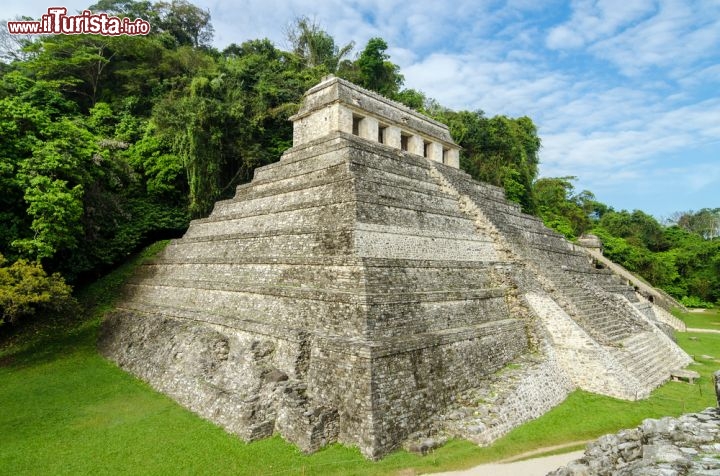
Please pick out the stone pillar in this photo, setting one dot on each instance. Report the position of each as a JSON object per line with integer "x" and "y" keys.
{"x": 368, "y": 129}
{"x": 321, "y": 123}
{"x": 416, "y": 145}
{"x": 435, "y": 152}
{"x": 344, "y": 119}
{"x": 391, "y": 136}
{"x": 716, "y": 378}
{"x": 452, "y": 158}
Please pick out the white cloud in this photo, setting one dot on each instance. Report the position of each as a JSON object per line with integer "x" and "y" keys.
{"x": 615, "y": 86}
{"x": 637, "y": 35}
{"x": 592, "y": 20}
{"x": 562, "y": 37}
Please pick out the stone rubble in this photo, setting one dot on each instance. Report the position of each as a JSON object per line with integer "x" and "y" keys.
{"x": 687, "y": 445}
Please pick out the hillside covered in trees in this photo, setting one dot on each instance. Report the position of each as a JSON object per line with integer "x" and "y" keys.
{"x": 111, "y": 142}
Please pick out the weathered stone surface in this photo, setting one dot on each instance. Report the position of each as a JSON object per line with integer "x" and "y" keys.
{"x": 370, "y": 293}
{"x": 689, "y": 444}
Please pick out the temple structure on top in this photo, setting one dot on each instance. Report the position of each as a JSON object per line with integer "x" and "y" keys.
{"x": 365, "y": 290}
{"x": 339, "y": 105}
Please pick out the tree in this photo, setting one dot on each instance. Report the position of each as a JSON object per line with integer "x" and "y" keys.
{"x": 176, "y": 23}
{"x": 55, "y": 209}
{"x": 559, "y": 208}
{"x": 188, "y": 24}
{"x": 26, "y": 289}
{"x": 592, "y": 208}
{"x": 373, "y": 70}
{"x": 412, "y": 98}
{"x": 126, "y": 8}
{"x": 637, "y": 227}
{"x": 234, "y": 118}
{"x": 12, "y": 47}
{"x": 76, "y": 63}
{"x": 315, "y": 46}
{"x": 65, "y": 170}
{"x": 197, "y": 121}
{"x": 500, "y": 150}
{"x": 705, "y": 222}
{"x": 44, "y": 159}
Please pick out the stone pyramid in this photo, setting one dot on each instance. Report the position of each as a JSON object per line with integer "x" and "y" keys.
{"x": 365, "y": 290}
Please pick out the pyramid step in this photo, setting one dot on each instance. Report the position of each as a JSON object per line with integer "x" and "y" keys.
{"x": 644, "y": 356}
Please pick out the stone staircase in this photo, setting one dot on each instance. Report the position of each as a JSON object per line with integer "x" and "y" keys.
{"x": 659, "y": 296}
{"x": 581, "y": 302}
{"x": 646, "y": 358}
{"x": 634, "y": 351}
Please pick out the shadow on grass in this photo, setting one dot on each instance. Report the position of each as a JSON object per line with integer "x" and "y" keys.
{"x": 44, "y": 348}
{"x": 45, "y": 339}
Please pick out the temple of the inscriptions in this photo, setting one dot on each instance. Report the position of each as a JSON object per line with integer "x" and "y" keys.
{"x": 365, "y": 290}
{"x": 370, "y": 116}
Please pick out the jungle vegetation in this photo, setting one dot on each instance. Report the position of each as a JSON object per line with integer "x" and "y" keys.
{"x": 109, "y": 143}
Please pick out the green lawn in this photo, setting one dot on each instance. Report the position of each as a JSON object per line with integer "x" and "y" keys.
{"x": 65, "y": 410}
{"x": 702, "y": 319}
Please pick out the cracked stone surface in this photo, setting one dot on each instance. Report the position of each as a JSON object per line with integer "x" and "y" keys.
{"x": 688, "y": 445}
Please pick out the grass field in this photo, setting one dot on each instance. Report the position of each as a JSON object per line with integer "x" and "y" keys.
{"x": 66, "y": 410}
{"x": 701, "y": 318}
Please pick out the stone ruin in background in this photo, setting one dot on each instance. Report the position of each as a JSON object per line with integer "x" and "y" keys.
{"x": 365, "y": 290}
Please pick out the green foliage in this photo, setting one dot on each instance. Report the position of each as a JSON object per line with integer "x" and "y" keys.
{"x": 55, "y": 210}
{"x": 512, "y": 183}
{"x": 681, "y": 262}
{"x": 177, "y": 23}
{"x": 163, "y": 171}
{"x": 196, "y": 121}
{"x": 498, "y": 150}
{"x": 188, "y": 24}
{"x": 26, "y": 290}
{"x": 71, "y": 167}
{"x": 233, "y": 119}
{"x": 695, "y": 302}
{"x": 315, "y": 46}
{"x": 689, "y": 267}
{"x": 683, "y": 259}
{"x": 705, "y": 222}
{"x": 635, "y": 258}
{"x": 559, "y": 208}
{"x": 560, "y": 224}
{"x": 101, "y": 120}
{"x": 373, "y": 70}
{"x": 637, "y": 227}
{"x": 411, "y": 98}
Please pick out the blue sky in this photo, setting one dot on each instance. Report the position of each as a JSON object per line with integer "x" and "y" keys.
{"x": 625, "y": 93}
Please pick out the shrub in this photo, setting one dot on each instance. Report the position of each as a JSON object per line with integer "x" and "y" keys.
{"x": 694, "y": 301}
{"x": 26, "y": 289}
